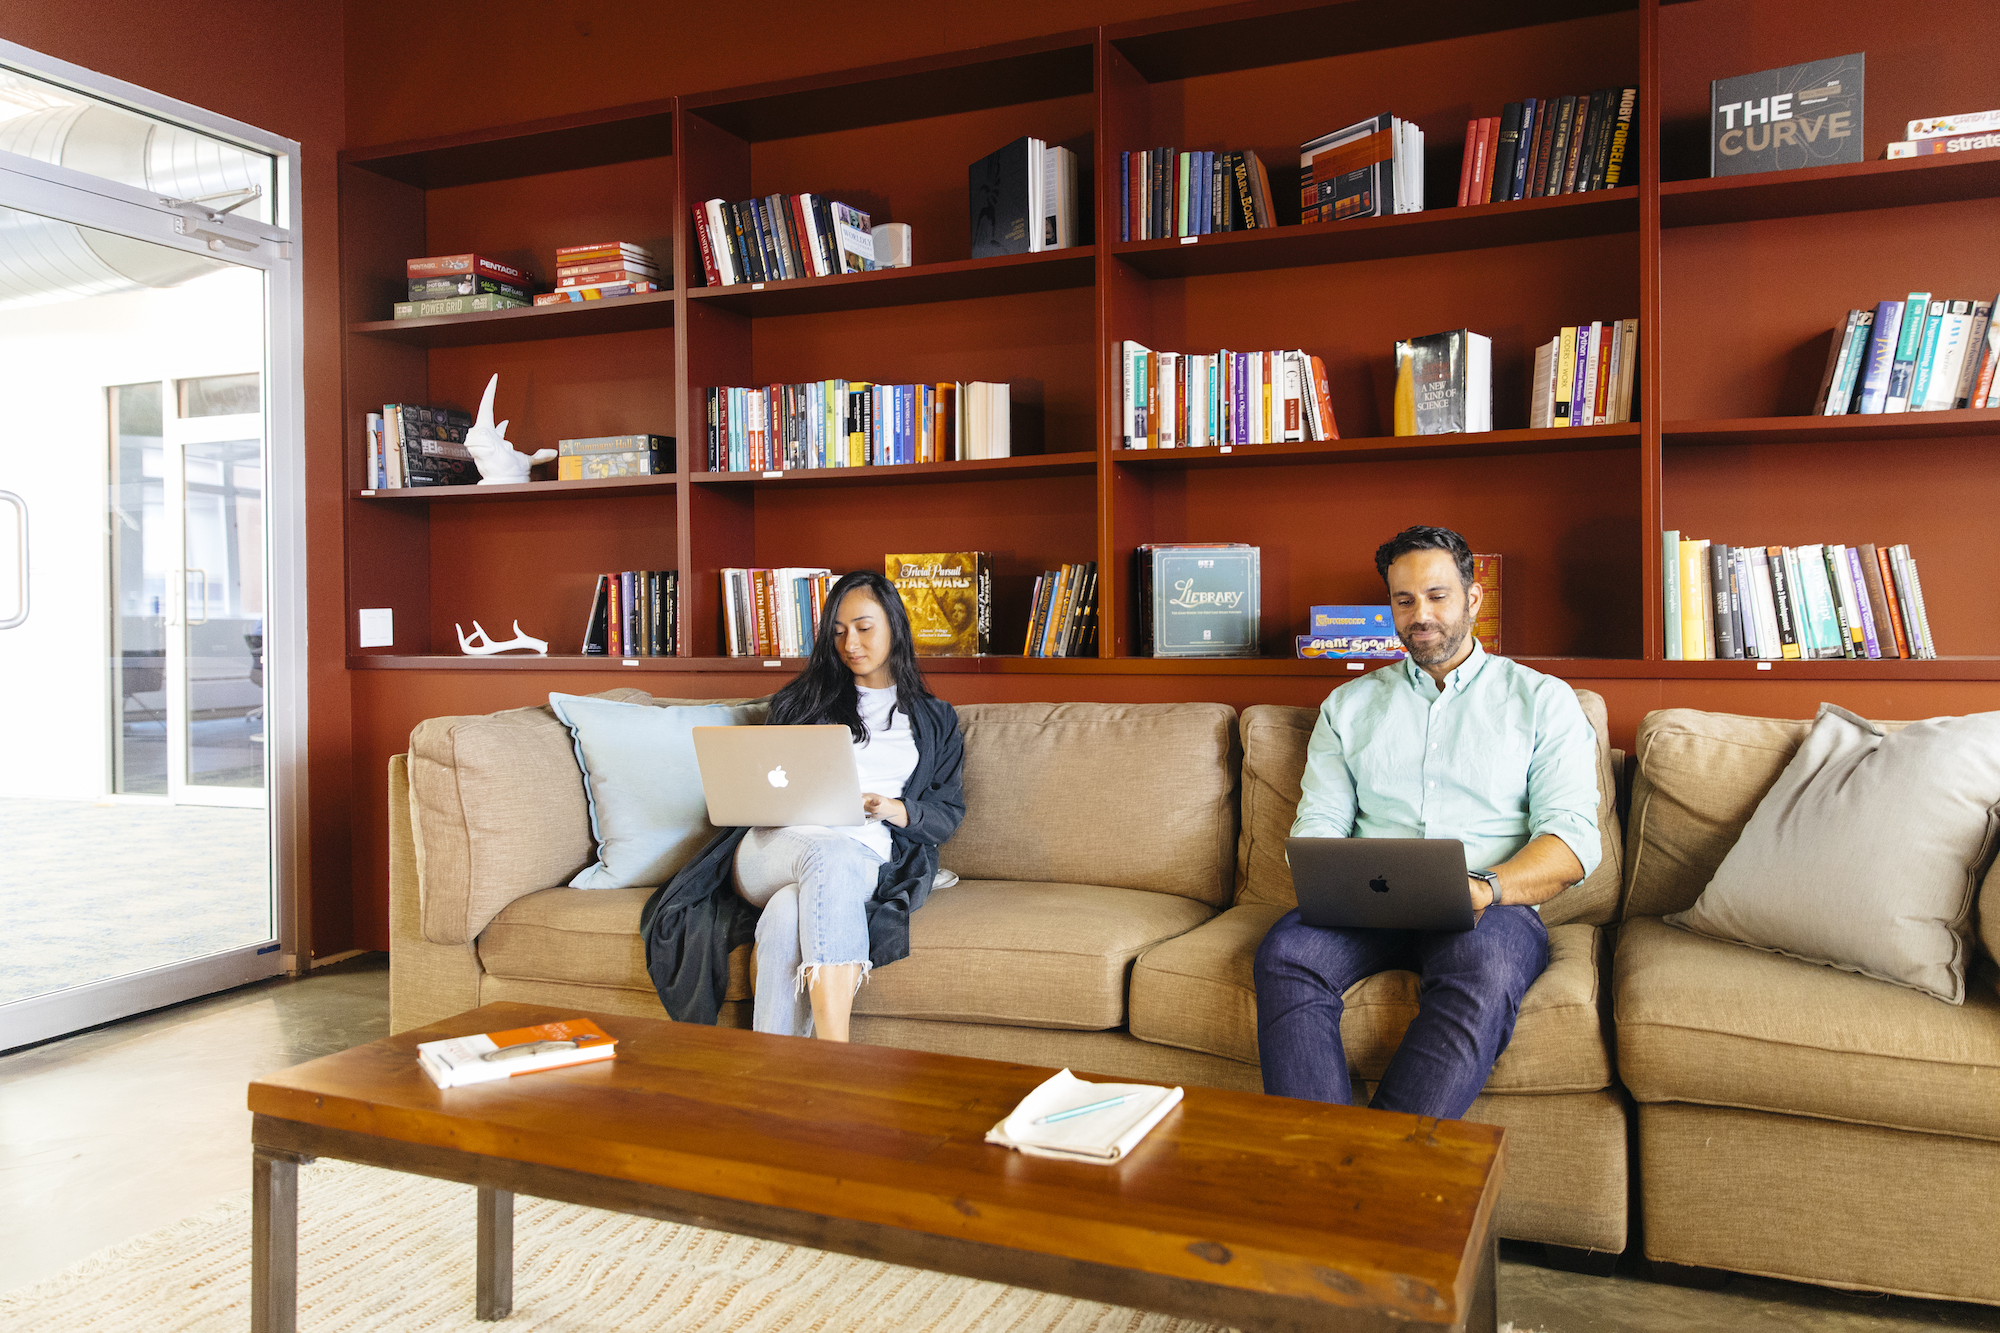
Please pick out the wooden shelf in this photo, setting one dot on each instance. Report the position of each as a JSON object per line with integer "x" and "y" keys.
{"x": 571, "y": 319}
{"x": 561, "y": 143}
{"x": 1041, "y": 68}
{"x": 533, "y": 490}
{"x": 1028, "y": 465}
{"x": 1840, "y": 429}
{"x": 1810, "y": 191}
{"x": 1434, "y": 231}
{"x": 1942, "y": 668}
{"x": 1378, "y": 448}
{"x": 959, "y": 280}
{"x": 1281, "y": 32}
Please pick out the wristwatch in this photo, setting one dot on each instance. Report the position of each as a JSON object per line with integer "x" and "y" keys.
{"x": 1492, "y": 882}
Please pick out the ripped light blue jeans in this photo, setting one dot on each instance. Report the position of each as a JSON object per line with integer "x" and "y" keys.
{"x": 813, "y": 886}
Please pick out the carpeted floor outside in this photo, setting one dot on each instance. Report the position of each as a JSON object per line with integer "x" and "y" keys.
{"x": 383, "y": 1252}
{"x": 90, "y": 890}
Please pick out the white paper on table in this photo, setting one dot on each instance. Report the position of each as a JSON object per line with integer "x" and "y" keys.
{"x": 1100, "y": 1136}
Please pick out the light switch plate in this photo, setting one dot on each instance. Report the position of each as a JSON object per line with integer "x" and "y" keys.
{"x": 378, "y": 627}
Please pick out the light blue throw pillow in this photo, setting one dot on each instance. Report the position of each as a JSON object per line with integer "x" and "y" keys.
{"x": 646, "y": 807}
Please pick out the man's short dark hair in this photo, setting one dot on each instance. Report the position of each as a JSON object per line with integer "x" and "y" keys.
{"x": 1425, "y": 539}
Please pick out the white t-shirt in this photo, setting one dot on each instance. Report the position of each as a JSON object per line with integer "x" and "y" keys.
{"x": 885, "y": 760}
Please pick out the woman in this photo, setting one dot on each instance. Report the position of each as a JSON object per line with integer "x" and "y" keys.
{"x": 824, "y": 905}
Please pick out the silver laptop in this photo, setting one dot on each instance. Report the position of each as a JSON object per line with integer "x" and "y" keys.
{"x": 1382, "y": 883}
{"x": 767, "y": 777}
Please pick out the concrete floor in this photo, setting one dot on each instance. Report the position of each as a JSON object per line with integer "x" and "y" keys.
{"x": 118, "y": 1131}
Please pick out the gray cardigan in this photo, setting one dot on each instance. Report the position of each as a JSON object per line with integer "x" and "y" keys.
{"x": 692, "y": 922}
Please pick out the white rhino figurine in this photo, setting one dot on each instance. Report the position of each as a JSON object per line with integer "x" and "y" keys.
{"x": 499, "y": 462}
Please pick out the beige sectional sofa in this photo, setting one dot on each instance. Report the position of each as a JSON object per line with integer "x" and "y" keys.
{"x": 1119, "y": 865}
{"x": 1105, "y": 919}
{"x": 1794, "y": 1120}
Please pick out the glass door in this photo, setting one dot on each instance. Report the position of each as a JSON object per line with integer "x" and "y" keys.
{"x": 146, "y": 409}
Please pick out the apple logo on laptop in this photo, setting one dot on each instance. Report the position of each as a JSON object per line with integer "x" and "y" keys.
{"x": 1380, "y": 884}
{"x": 777, "y": 777}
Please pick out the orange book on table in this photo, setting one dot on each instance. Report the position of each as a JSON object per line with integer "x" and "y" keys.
{"x": 488, "y": 1057}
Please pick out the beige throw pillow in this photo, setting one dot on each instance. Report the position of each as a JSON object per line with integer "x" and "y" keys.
{"x": 1867, "y": 851}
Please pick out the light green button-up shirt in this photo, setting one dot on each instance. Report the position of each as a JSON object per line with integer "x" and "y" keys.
{"x": 1498, "y": 757}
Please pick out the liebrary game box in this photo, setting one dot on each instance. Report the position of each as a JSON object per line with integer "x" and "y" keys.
{"x": 1199, "y": 600}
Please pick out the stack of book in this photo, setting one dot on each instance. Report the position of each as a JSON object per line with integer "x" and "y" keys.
{"x": 1444, "y": 383}
{"x": 1551, "y": 145}
{"x": 614, "y": 456}
{"x": 1169, "y": 192}
{"x": 853, "y": 423}
{"x": 1919, "y": 355}
{"x": 462, "y": 285}
{"x": 1062, "y": 619}
{"x": 1023, "y": 200}
{"x": 1189, "y": 400}
{"x": 1350, "y": 631}
{"x": 1369, "y": 169}
{"x": 409, "y": 445}
{"x": 772, "y": 612}
{"x": 1198, "y": 599}
{"x": 949, "y": 599}
{"x": 1792, "y": 602}
{"x": 633, "y": 614}
{"x": 780, "y": 237}
{"x": 600, "y": 271}
{"x": 1583, "y": 375}
{"x": 1948, "y": 134}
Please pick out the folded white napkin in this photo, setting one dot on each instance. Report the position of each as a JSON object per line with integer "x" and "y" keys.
{"x": 1096, "y": 1136}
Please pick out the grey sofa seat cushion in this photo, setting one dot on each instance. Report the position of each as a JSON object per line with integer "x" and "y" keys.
{"x": 1701, "y": 1020}
{"x": 1025, "y": 954}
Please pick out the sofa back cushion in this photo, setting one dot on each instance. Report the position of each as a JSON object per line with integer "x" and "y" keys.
{"x": 1700, "y": 778}
{"x": 498, "y": 810}
{"x": 1130, "y": 796}
{"x": 1274, "y": 757}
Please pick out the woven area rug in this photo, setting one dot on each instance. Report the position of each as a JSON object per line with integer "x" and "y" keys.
{"x": 388, "y": 1252}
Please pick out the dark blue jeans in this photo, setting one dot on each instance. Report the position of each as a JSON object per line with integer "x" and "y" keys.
{"x": 1472, "y": 984}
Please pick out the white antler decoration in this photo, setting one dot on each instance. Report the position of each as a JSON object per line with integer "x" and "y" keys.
{"x": 480, "y": 643}
{"x": 499, "y": 462}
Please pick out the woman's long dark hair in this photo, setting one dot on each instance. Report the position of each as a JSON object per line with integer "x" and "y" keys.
{"x": 824, "y": 692}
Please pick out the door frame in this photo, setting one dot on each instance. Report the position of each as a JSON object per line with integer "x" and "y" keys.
{"x": 274, "y": 248}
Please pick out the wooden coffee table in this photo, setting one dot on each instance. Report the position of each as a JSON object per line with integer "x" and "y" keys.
{"x": 1255, "y": 1212}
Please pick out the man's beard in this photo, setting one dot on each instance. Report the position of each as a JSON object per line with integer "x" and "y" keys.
{"x": 1453, "y": 635}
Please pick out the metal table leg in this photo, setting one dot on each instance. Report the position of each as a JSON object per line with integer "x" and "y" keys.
{"x": 274, "y": 1242}
{"x": 496, "y": 1253}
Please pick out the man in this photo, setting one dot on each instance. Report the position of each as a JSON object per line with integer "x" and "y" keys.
{"x": 1451, "y": 743}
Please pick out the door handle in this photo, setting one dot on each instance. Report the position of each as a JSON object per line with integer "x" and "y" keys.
{"x": 21, "y": 507}
{"x": 204, "y": 592}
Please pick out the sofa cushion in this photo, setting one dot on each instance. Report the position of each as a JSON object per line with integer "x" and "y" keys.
{"x": 498, "y": 810}
{"x": 1705, "y": 1021}
{"x": 1867, "y": 851}
{"x": 1274, "y": 757}
{"x": 584, "y": 937}
{"x": 642, "y": 784}
{"x": 1197, "y": 991}
{"x": 1025, "y": 954}
{"x": 1700, "y": 777}
{"x": 1129, "y": 796}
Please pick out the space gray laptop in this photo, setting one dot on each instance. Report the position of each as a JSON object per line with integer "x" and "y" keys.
{"x": 768, "y": 777}
{"x": 1381, "y": 883}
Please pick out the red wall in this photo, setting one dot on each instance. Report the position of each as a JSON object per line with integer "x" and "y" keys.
{"x": 278, "y": 67}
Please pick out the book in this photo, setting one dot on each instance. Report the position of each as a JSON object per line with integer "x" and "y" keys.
{"x": 606, "y": 276}
{"x": 1909, "y": 350}
{"x": 1670, "y": 588}
{"x": 1387, "y": 647}
{"x": 1976, "y": 342}
{"x": 1878, "y": 368}
{"x": 1450, "y": 383}
{"x": 1939, "y": 383}
{"x": 487, "y": 1057}
{"x": 607, "y": 291}
{"x": 1486, "y": 628}
{"x": 1805, "y": 115}
{"x": 1351, "y": 172}
{"x": 1940, "y": 127}
{"x": 1002, "y": 190}
{"x": 1726, "y": 643}
{"x": 1198, "y": 600}
{"x": 466, "y": 284}
{"x": 1959, "y": 143}
{"x": 949, "y": 599}
{"x": 442, "y": 266}
{"x": 455, "y": 305}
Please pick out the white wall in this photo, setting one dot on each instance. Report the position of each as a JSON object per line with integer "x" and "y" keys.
{"x": 55, "y": 363}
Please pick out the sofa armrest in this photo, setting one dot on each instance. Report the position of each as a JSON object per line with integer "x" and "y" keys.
{"x": 427, "y": 981}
